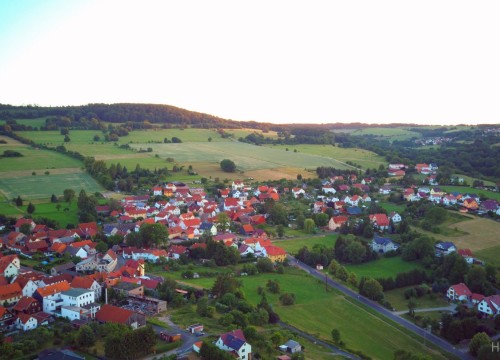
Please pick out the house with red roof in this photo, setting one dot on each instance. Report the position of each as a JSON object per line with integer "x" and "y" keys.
{"x": 23, "y": 221}
{"x": 9, "y": 266}
{"x": 381, "y": 221}
{"x": 10, "y": 293}
{"x": 336, "y": 222}
{"x": 114, "y": 314}
{"x": 27, "y": 305}
{"x": 275, "y": 253}
{"x": 490, "y": 305}
{"x": 467, "y": 255}
{"x": 7, "y": 319}
{"x": 459, "y": 292}
{"x": 26, "y": 322}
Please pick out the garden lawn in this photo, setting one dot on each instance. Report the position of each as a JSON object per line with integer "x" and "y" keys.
{"x": 392, "y": 207}
{"x": 397, "y": 299}
{"x": 383, "y": 267}
{"x": 293, "y": 246}
{"x": 49, "y": 210}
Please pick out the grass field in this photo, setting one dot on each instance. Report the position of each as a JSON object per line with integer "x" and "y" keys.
{"x": 43, "y": 186}
{"x": 391, "y": 134}
{"x": 292, "y": 246}
{"x": 383, "y": 267}
{"x": 38, "y": 122}
{"x": 398, "y": 301}
{"x": 392, "y": 207}
{"x": 355, "y": 323}
{"x": 34, "y": 159}
{"x": 364, "y": 158}
{"x": 478, "y": 234}
{"x": 259, "y": 162}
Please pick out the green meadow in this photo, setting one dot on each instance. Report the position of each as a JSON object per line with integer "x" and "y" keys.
{"x": 43, "y": 186}
{"x": 318, "y": 311}
{"x": 383, "y": 267}
{"x": 293, "y": 246}
{"x": 390, "y": 133}
{"x": 35, "y": 159}
{"x": 338, "y": 156}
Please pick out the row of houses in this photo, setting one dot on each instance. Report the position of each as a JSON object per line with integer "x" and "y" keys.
{"x": 486, "y": 305}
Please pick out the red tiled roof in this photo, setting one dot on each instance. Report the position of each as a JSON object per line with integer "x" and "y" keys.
{"x": 461, "y": 289}
{"x": 114, "y": 314}
{"x": 10, "y": 290}
{"x": 5, "y": 261}
{"x": 53, "y": 289}
{"x": 274, "y": 250}
{"x": 24, "y": 303}
{"x": 82, "y": 282}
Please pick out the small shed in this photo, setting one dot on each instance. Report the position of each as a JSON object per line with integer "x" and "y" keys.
{"x": 292, "y": 346}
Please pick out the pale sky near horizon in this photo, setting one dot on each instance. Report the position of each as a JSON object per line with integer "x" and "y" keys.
{"x": 426, "y": 62}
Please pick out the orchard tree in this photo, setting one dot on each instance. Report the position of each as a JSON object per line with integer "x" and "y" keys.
{"x": 68, "y": 195}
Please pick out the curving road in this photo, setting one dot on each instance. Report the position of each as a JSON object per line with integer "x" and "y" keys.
{"x": 436, "y": 340}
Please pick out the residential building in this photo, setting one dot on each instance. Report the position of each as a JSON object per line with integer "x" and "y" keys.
{"x": 383, "y": 245}
{"x": 459, "y": 292}
{"x": 235, "y": 343}
{"x": 114, "y": 314}
{"x": 490, "y": 305}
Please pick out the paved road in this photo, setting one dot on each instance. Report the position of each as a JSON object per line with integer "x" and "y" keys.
{"x": 450, "y": 308}
{"x": 187, "y": 338}
{"x": 375, "y": 306}
{"x": 335, "y": 350}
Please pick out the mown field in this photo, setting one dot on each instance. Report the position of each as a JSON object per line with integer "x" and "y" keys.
{"x": 36, "y": 123}
{"x": 318, "y": 312}
{"x": 292, "y": 246}
{"x": 258, "y": 162}
{"x": 43, "y": 186}
{"x": 383, "y": 267}
{"x": 481, "y": 235}
{"x": 390, "y": 133}
{"x": 364, "y": 158}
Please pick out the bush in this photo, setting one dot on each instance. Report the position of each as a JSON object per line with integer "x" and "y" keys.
{"x": 287, "y": 299}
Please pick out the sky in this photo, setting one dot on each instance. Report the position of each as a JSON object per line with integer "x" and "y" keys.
{"x": 425, "y": 62}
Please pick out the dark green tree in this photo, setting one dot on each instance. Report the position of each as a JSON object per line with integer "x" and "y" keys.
{"x": 228, "y": 165}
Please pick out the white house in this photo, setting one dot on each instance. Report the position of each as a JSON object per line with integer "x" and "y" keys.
{"x": 26, "y": 322}
{"x": 445, "y": 248}
{"x": 383, "y": 245}
{"x": 77, "y": 297}
{"x": 9, "y": 266}
{"x": 29, "y": 288}
{"x": 395, "y": 217}
{"x": 235, "y": 342}
{"x": 297, "y": 192}
{"x": 458, "y": 292}
{"x": 490, "y": 305}
{"x": 328, "y": 189}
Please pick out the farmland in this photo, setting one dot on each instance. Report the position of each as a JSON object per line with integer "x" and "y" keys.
{"x": 259, "y": 162}
{"x": 42, "y": 186}
{"x": 353, "y": 320}
{"x": 393, "y": 133}
{"x": 364, "y": 158}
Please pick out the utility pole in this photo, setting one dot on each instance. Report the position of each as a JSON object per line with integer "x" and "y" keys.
{"x": 326, "y": 283}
